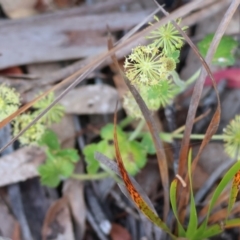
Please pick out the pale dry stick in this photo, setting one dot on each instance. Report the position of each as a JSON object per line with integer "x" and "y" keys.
{"x": 95, "y": 63}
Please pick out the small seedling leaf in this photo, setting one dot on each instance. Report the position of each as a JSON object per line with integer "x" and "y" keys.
{"x": 173, "y": 200}
{"x": 193, "y": 220}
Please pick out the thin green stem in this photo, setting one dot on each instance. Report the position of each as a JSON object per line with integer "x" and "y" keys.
{"x": 193, "y": 78}
{"x": 137, "y": 130}
{"x": 198, "y": 136}
{"x": 87, "y": 177}
{"x": 125, "y": 122}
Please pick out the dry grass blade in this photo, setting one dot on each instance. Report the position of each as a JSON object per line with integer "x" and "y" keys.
{"x": 162, "y": 162}
{"x": 83, "y": 72}
{"x": 113, "y": 166}
{"x": 136, "y": 197}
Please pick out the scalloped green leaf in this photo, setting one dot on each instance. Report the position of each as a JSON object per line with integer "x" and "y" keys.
{"x": 134, "y": 156}
{"x": 107, "y": 132}
{"x": 224, "y": 55}
{"x": 48, "y": 174}
{"x": 107, "y": 148}
{"x": 49, "y": 139}
{"x": 68, "y": 154}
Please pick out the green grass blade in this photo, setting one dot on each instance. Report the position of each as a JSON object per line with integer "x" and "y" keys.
{"x": 173, "y": 200}
{"x": 211, "y": 231}
{"x": 217, "y": 228}
{"x": 193, "y": 219}
{"x": 225, "y": 180}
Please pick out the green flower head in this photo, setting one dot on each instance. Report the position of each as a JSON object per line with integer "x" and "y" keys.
{"x": 159, "y": 95}
{"x": 232, "y": 138}
{"x": 54, "y": 115}
{"x": 33, "y": 134}
{"x": 167, "y": 38}
{"x": 145, "y": 66}
{"x": 9, "y": 101}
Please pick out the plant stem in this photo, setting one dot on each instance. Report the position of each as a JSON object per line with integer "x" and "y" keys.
{"x": 137, "y": 130}
{"x": 198, "y": 136}
{"x": 126, "y": 121}
{"x": 193, "y": 77}
{"x": 87, "y": 177}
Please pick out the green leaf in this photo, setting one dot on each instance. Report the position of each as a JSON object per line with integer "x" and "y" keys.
{"x": 175, "y": 55}
{"x": 224, "y": 54}
{"x": 134, "y": 156}
{"x": 49, "y": 139}
{"x": 193, "y": 220}
{"x": 173, "y": 200}
{"x": 49, "y": 174}
{"x": 106, "y": 147}
{"x": 223, "y": 183}
{"x": 92, "y": 163}
{"x": 107, "y": 133}
{"x": 65, "y": 168}
{"x": 68, "y": 154}
{"x": 59, "y": 163}
{"x": 147, "y": 144}
{"x": 210, "y": 232}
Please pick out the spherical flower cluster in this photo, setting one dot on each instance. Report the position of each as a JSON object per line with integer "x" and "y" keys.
{"x": 9, "y": 101}
{"x": 232, "y": 138}
{"x": 54, "y": 115}
{"x": 32, "y": 134}
{"x": 147, "y": 66}
{"x": 150, "y": 69}
{"x": 167, "y": 38}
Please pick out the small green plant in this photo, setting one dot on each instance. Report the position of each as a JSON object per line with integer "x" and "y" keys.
{"x": 59, "y": 163}
{"x": 131, "y": 150}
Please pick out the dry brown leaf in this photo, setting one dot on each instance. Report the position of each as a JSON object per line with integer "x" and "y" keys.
{"x": 57, "y": 224}
{"x": 119, "y": 233}
{"x": 20, "y": 165}
{"x": 91, "y": 99}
